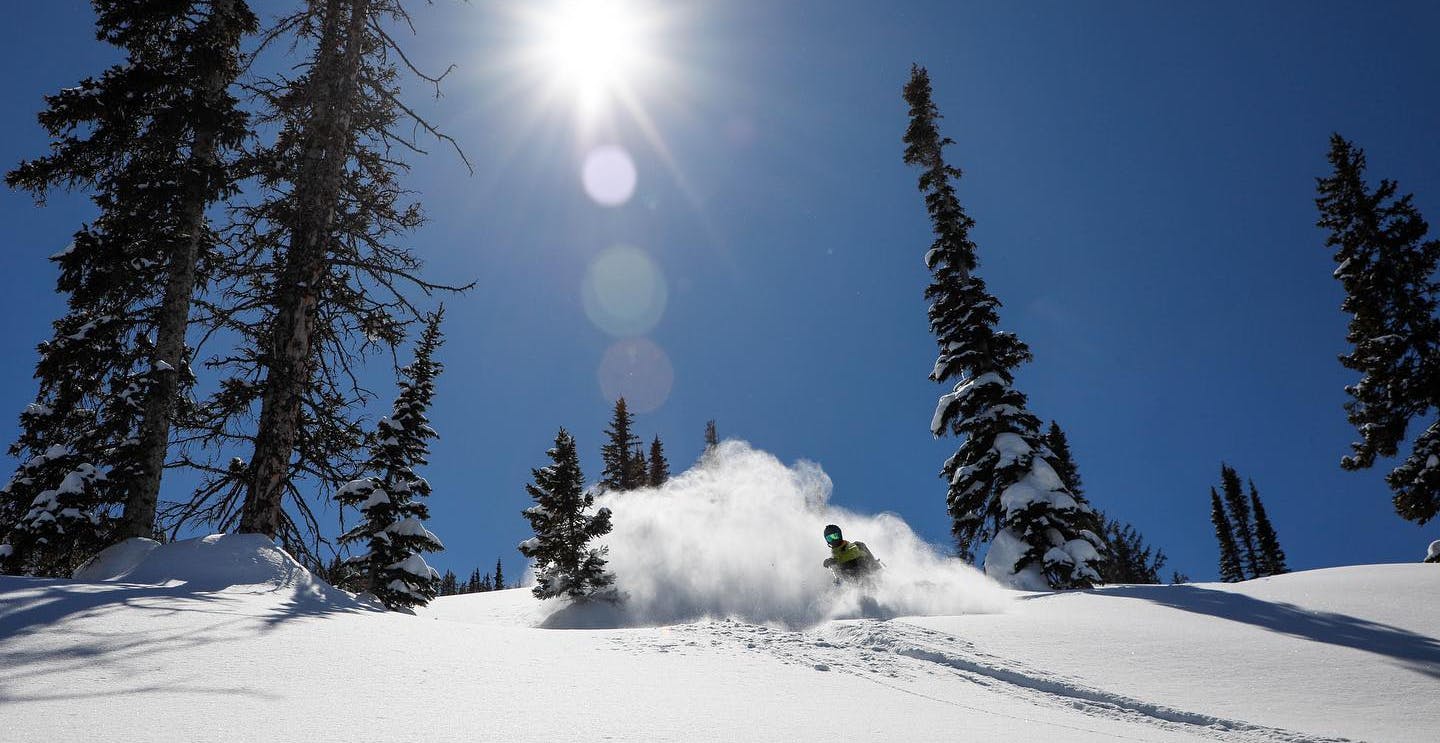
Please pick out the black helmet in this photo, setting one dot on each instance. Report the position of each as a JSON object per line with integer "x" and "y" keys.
{"x": 832, "y": 534}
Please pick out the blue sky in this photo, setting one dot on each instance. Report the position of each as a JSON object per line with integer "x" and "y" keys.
{"x": 1141, "y": 175}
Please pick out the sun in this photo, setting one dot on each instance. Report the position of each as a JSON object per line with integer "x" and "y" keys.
{"x": 596, "y": 49}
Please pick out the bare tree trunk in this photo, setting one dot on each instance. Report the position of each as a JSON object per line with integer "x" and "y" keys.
{"x": 333, "y": 87}
{"x": 138, "y": 519}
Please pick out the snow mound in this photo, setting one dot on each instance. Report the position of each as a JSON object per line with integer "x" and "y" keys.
{"x": 114, "y": 562}
{"x": 229, "y": 563}
{"x": 739, "y": 536}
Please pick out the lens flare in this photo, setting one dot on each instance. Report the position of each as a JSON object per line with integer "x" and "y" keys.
{"x": 624, "y": 292}
{"x": 639, "y": 371}
{"x": 608, "y": 175}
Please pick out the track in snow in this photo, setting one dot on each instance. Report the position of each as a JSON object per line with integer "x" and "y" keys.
{"x": 889, "y": 653}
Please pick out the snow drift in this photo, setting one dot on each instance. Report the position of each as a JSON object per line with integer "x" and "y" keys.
{"x": 739, "y": 536}
{"x": 220, "y": 563}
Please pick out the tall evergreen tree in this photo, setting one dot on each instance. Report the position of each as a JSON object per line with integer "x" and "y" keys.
{"x": 618, "y": 453}
{"x": 1389, "y": 272}
{"x": 1001, "y": 486}
{"x": 1131, "y": 559}
{"x": 1272, "y": 557}
{"x": 149, "y": 137}
{"x": 639, "y": 467}
{"x": 499, "y": 576}
{"x": 315, "y": 278}
{"x": 1230, "y": 570}
{"x": 659, "y": 468}
{"x": 449, "y": 584}
{"x": 1241, "y": 527}
{"x": 712, "y": 439}
{"x": 565, "y": 564}
{"x": 1063, "y": 461}
{"x": 392, "y": 500}
{"x": 473, "y": 585}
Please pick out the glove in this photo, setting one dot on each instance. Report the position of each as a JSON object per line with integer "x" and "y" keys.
{"x": 829, "y": 562}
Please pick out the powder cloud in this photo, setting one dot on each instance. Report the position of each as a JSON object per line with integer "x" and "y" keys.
{"x": 739, "y": 536}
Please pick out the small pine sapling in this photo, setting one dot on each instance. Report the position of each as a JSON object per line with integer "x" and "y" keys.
{"x": 565, "y": 564}
{"x": 392, "y": 500}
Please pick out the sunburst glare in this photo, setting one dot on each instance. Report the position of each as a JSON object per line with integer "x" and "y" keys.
{"x": 597, "y": 50}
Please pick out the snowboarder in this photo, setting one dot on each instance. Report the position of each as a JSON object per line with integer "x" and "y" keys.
{"x": 851, "y": 560}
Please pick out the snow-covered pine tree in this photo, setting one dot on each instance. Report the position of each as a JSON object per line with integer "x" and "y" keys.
{"x": 499, "y": 576}
{"x": 149, "y": 136}
{"x": 57, "y": 511}
{"x": 659, "y": 467}
{"x": 392, "y": 500}
{"x": 1272, "y": 556}
{"x": 618, "y": 453}
{"x": 1001, "y": 486}
{"x": 1230, "y": 570}
{"x": 565, "y": 564}
{"x": 1389, "y": 272}
{"x": 1240, "y": 525}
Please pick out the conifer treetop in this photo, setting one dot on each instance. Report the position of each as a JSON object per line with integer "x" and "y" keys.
{"x": 618, "y": 452}
{"x": 1389, "y": 272}
{"x": 659, "y": 468}
{"x": 1272, "y": 556}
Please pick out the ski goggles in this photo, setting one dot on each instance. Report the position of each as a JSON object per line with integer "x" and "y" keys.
{"x": 832, "y": 538}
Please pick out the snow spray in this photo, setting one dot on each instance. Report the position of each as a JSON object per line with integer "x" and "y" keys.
{"x": 738, "y": 536}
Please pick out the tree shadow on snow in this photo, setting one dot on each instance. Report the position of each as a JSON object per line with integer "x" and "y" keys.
{"x": 1415, "y": 651}
{"x": 32, "y": 608}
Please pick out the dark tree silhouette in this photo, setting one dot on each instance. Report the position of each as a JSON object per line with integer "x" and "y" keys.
{"x": 1389, "y": 272}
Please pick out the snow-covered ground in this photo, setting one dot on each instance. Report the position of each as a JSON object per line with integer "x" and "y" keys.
{"x": 226, "y": 639}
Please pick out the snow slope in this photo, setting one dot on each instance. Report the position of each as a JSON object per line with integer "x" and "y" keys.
{"x": 226, "y": 639}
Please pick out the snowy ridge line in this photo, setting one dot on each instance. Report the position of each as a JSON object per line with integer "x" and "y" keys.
{"x": 919, "y": 644}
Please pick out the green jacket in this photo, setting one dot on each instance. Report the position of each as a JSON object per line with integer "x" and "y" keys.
{"x": 850, "y": 556}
